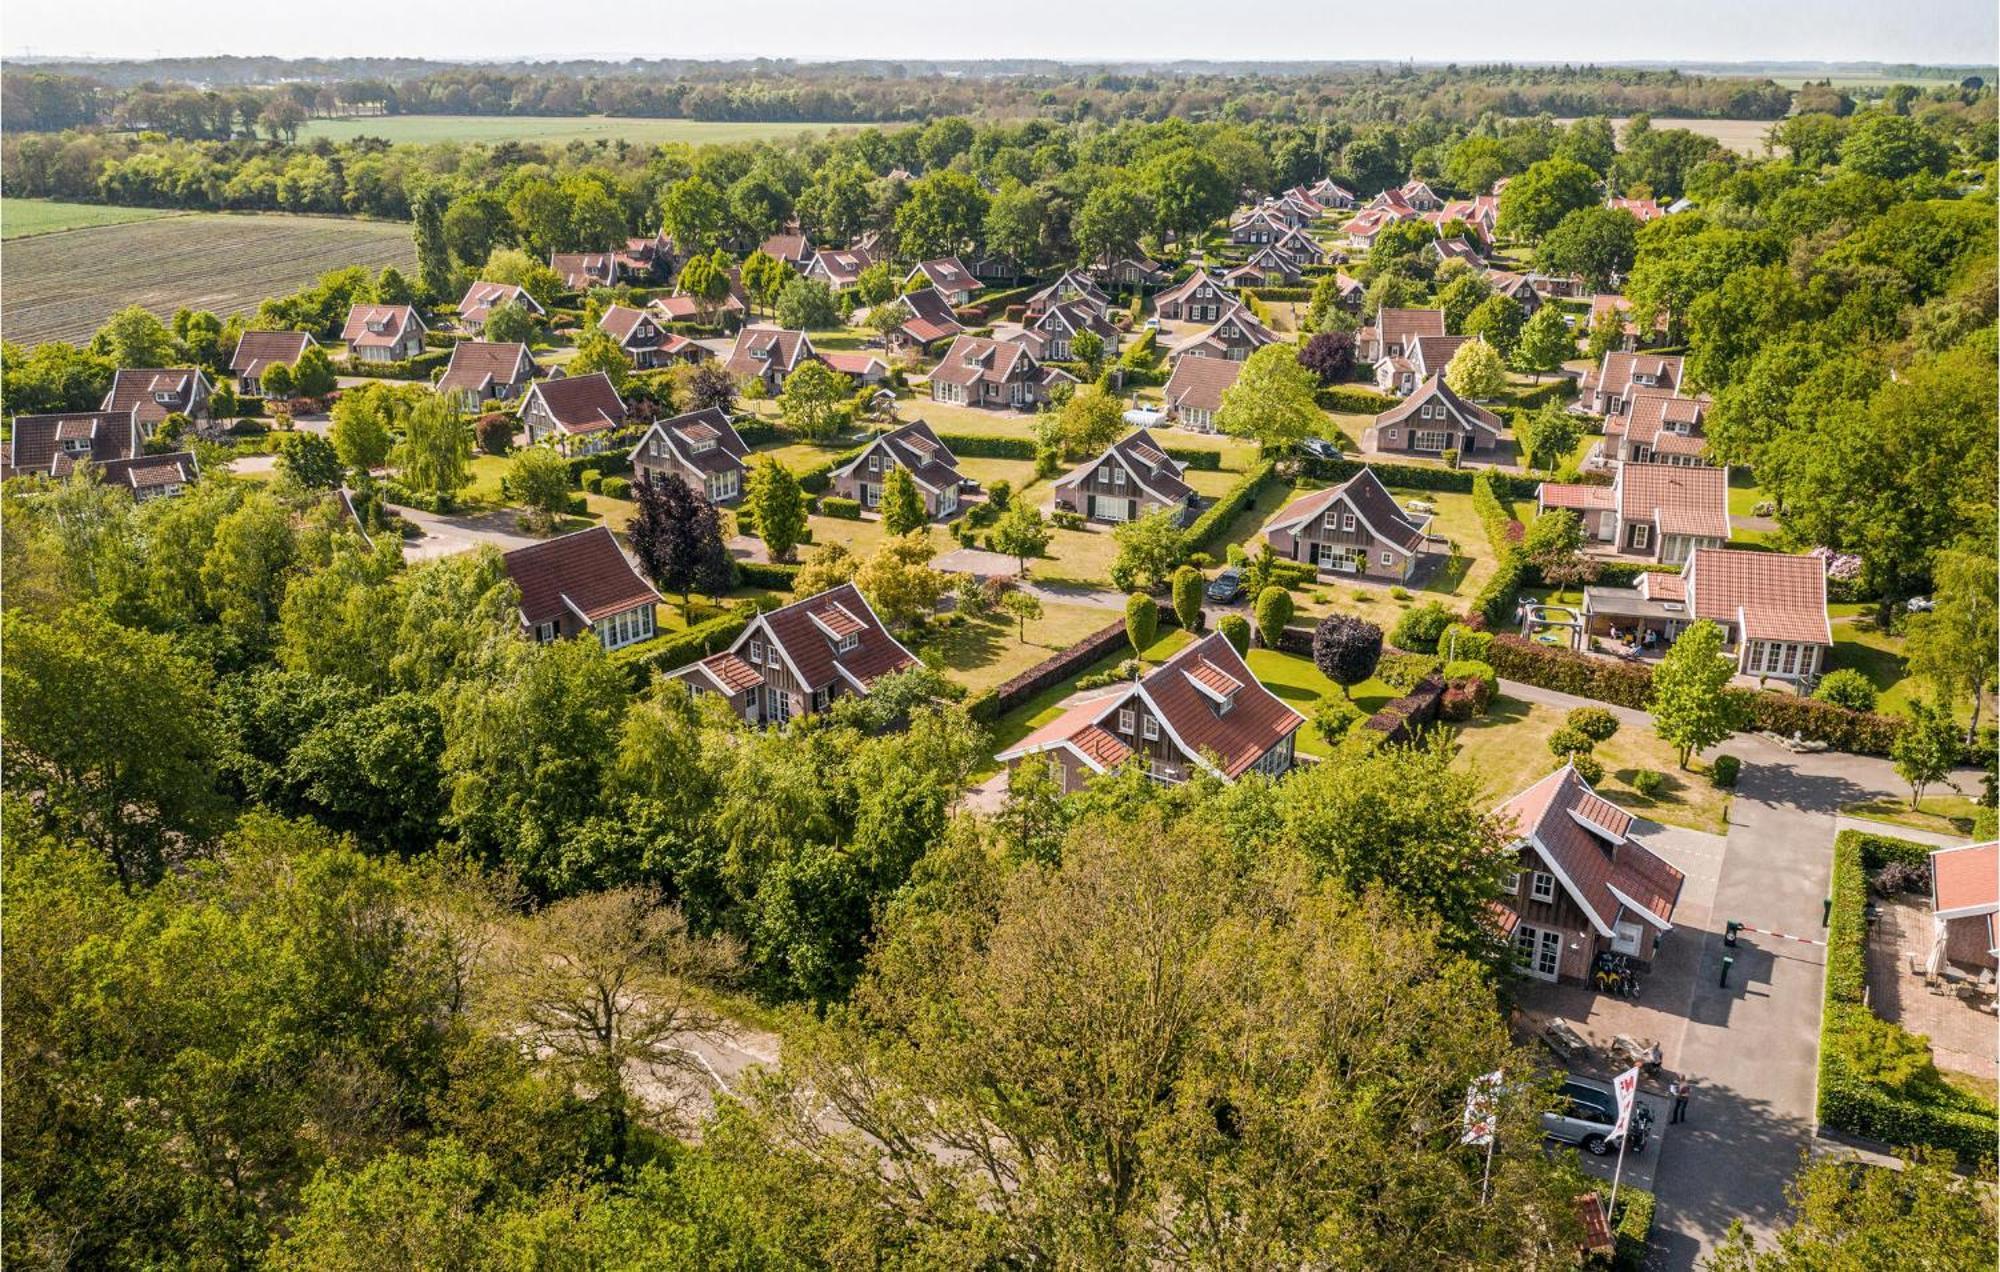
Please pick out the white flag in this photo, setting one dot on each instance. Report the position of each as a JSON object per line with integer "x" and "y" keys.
{"x": 1626, "y": 1085}
{"x": 1482, "y": 1109}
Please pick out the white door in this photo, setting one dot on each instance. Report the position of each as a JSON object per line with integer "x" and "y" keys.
{"x": 1539, "y": 951}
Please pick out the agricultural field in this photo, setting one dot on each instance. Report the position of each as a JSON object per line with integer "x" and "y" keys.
{"x": 23, "y": 218}
{"x": 1744, "y": 136}
{"x": 64, "y": 286}
{"x": 490, "y": 129}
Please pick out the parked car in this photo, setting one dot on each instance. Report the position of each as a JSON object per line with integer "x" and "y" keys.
{"x": 1320, "y": 448}
{"x": 1588, "y": 1116}
{"x": 1919, "y": 605}
{"x": 1226, "y": 586}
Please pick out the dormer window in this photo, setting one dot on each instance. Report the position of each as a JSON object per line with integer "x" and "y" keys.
{"x": 76, "y": 445}
{"x": 761, "y": 352}
{"x": 164, "y": 399}
{"x": 377, "y": 325}
{"x": 850, "y": 641}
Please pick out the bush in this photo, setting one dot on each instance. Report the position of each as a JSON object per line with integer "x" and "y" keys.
{"x": 1649, "y": 782}
{"x": 1353, "y": 401}
{"x": 1274, "y": 610}
{"x": 1142, "y": 621}
{"x": 1903, "y": 876}
{"x": 1404, "y": 672}
{"x": 1420, "y": 628}
{"x": 591, "y": 479}
{"x": 1399, "y": 593}
{"x": 1460, "y": 703}
{"x": 1723, "y": 771}
{"x": 1632, "y": 1229}
{"x": 1468, "y": 643}
{"x": 1236, "y": 630}
{"x": 841, "y": 509}
{"x": 1065, "y": 519}
{"x": 1480, "y": 675}
{"x": 776, "y": 576}
{"x": 495, "y": 433}
{"x": 1846, "y": 687}
{"x": 1570, "y": 741}
{"x": 1588, "y": 767}
{"x": 616, "y": 487}
{"x": 1333, "y": 715}
{"x": 1595, "y": 723}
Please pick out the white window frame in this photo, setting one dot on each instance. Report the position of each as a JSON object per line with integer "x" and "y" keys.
{"x": 1642, "y": 536}
{"x": 1388, "y": 558}
{"x": 1542, "y": 886}
{"x": 1512, "y": 883}
{"x": 1347, "y": 522}
{"x": 1152, "y": 729}
{"x": 1118, "y": 477}
{"x": 1127, "y": 719}
{"x": 756, "y": 653}
{"x": 874, "y": 463}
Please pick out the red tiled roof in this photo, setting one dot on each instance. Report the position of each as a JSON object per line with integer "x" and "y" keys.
{"x": 812, "y": 654}
{"x": 947, "y": 272}
{"x": 135, "y": 390}
{"x": 476, "y": 363}
{"x": 394, "y": 320}
{"x": 256, "y": 350}
{"x": 1435, "y": 392}
{"x": 852, "y": 363}
{"x": 1371, "y": 501}
{"x": 1781, "y": 597}
{"x": 784, "y": 350}
{"x": 1966, "y": 880}
{"x": 1577, "y": 498}
{"x": 37, "y": 443}
{"x": 1690, "y": 501}
{"x": 1654, "y": 410}
{"x": 1597, "y": 869}
{"x": 584, "y": 575}
{"x": 1401, "y": 327}
{"x": 1256, "y": 721}
{"x": 582, "y": 403}
{"x": 482, "y": 298}
{"x": 1617, "y": 376}
{"x": 731, "y": 672}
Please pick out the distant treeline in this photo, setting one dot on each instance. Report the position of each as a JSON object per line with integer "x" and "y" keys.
{"x": 214, "y": 99}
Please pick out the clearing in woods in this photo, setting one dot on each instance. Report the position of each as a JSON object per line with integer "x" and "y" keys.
{"x": 20, "y": 218}
{"x": 556, "y": 128}
{"x": 63, "y": 286}
{"x": 1744, "y": 136}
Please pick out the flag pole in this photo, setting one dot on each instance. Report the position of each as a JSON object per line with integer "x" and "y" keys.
{"x": 1616, "y": 1173}
{"x": 1486, "y": 1178}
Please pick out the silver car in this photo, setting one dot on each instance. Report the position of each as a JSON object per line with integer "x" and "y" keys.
{"x": 1587, "y": 1115}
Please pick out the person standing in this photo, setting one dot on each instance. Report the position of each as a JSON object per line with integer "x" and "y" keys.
{"x": 1680, "y": 1090}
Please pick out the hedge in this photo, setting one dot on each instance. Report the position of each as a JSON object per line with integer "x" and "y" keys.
{"x": 815, "y": 480}
{"x": 615, "y": 463}
{"x": 670, "y": 650}
{"x": 1206, "y": 461}
{"x": 989, "y": 705}
{"x": 1495, "y": 602}
{"x": 1941, "y": 1117}
{"x": 986, "y": 446}
{"x": 757, "y": 433}
{"x": 1632, "y": 1228}
{"x": 417, "y": 368}
{"x": 1351, "y": 401}
{"x": 1556, "y": 390}
{"x": 1211, "y": 524}
{"x": 769, "y": 574}
{"x": 1421, "y": 477}
{"x": 1402, "y": 719}
{"x": 840, "y": 509}
{"x": 1631, "y": 685}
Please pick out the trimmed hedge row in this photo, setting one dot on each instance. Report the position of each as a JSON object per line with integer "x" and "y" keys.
{"x": 615, "y": 462}
{"x": 1631, "y": 685}
{"x": 417, "y": 368}
{"x": 840, "y": 509}
{"x": 677, "y": 649}
{"x": 1944, "y": 1117}
{"x": 1401, "y": 719}
{"x": 771, "y": 574}
{"x": 989, "y": 705}
{"x": 1352, "y": 401}
{"x": 815, "y": 480}
{"x": 986, "y": 446}
{"x": 1420, "y": 477}
{"x": 1211, "y": 524}
{"x": 757, "y": 433}
{"x": 1556, "y": 390}
{"x": 1632, "y": 1228}
{"x": 1205, "y": 461}
{"x": 1494, "y": 605}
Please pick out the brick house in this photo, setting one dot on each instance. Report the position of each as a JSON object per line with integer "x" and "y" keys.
{"x": 580, "y": 414}
{"x": 1651, "y": 511}
{"x": 949, "y": 276}
{"x": 645, "y": 342}
{"x": 1132, "y": 478}
{"x": 581, "y": 582}
{"x": 481, "y": 299}
{"x": 1197, "y": 298}
{"x": 1002, "y": 374}
{"x": 801, "y": 659}
{"x": 150, "y": 394}
{"x": 1432, "y": 420}
{"x": 1425, "y": 357}
{"x": 1235, "y": 336}
{"x": 1609, "y": 388}
{"x": 581, "y": 271}
{"x": 1194, "y": 391}
{"x": 1519, "y": 288}
{"x": 483, "y": 371}
{"x": 110, "y": 441}
{"x": 256, "y": 350}
{"x": 1355, "y": 528}
{"x": 702, "y": 446}
{"x": 1330, "y": 194}
{"x": 791, "y": 247}
{"x": 1070, "y": 285}
{"x": 915, "y": 448}
{"x": 1965, "y": 897}
{"x": 929, "y": 322}
{"x": 1771, "y": 607}
{"x": 1201, "y": 711}
{"x": 1602, "y": 303}
{"x": 1060, "y": 325}
{"x": 383, "y": 333}
{"x": 1257, "y": 228}
{"x": 769, "y": 354}
{"x": 1585, "y": 885}
{"x": 1394, "y": 332}
{"x": 1659, "y": 428}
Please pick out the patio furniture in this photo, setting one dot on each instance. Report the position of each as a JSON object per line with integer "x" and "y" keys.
{"x": 1562, "y": 1039}
{"x": 1628, "y": 1051}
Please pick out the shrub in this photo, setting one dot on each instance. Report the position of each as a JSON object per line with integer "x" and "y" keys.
{"x": 1420, "y": 628}
{"x": 1333, "y": 715}
{"x": 1595, "y": 723}
{"x": 1649, "y": 782}
{"x": 1187, "y": 593}
{"x": 1218, "y": 517}
{"x": 1065, "y": 519}
{"x": 591, "y": 479}
{"x": 1142, "y": 621}
{"x": 1480, "y": 675}
{"x": 1846, "y": 687}
{"x": 495, "y": 433}
{"x": 1570, "y": 741}
{"x": 1903, "y": 876}
{"x": 1461, "y": 702}
{"x": 617, "y": 487}
{"x": 1460, "y": 641}
{"x": 1588, "y": 767}
{"x": 841, "y": 509}
{"x": 1723, "y": 771}
{"x": 1404, "y": 672}
{"x": 1236, "y": 630}
{"x": 1274, "y": 610}
{"x": 1399, "y": 593}
{"x": 1632, "y": 1228}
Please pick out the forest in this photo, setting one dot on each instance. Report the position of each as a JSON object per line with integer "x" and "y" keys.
{"x": 346, "y": 928}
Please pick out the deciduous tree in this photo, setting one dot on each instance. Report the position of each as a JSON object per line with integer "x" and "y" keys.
{"x": 812, "y": 400}
{"x": 1476, "y": 371}
{"x": 776, "y": 506}
{"x": 1273, "y": 401}
{"x": 1346, "y": 649}
{"x": 1690, "y": 712}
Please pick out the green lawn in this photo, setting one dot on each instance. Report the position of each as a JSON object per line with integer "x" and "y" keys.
{"x": 987, "y": 651}
{"x": 1300, "y": 685}
{"x": 1047, "y": 705}
{"x": 1078, "y": 556}
{"x": 20, "y": 218}
{"x": 558, "y": 130}
{"x": 1509, "y": 750}
{"x": 1949, "y": 814}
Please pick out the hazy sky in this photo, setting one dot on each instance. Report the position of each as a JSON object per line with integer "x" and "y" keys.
{"x": 1947, "y": 31}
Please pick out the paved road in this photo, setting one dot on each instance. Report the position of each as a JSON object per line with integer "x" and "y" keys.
{"x": 449, "y": 535}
